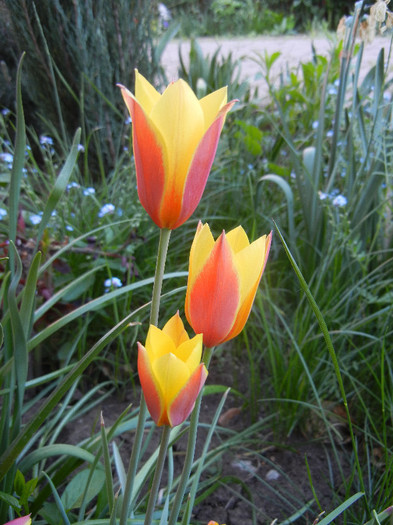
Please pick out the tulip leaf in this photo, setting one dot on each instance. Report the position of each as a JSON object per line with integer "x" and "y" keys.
{"x": 120, "y": 470}
{"x": 73, "y": 494}
{"x": 54, "y": 450}
{"x": 58, "y": 501}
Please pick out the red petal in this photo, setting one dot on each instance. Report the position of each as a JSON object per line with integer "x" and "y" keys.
{"x": 181, "y": 407}
{"x": 212, "y": 303}
{"x": 149, "y": 387}
{"x": 201, "y": 164}
{"x": 245, "y": 308}
{"x": 149, "y": 161}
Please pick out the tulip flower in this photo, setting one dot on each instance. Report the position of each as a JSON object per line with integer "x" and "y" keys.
{"x": 223, "y": 279}
{"x": 171, "y": 372}
{"x": 175, "y": 138}
{"x": 24, "y": 520}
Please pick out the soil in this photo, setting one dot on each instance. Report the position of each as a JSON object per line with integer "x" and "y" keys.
{"x": 276, "y": 474}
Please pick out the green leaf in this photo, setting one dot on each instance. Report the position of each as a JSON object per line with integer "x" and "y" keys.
{"x": 285, "y": 187}
{"x": 9, "y": 500}
{"x": 55, "y": 450}
{"x": 340, "y": 509}
{"x": 19, "y": 483}
{"x": 58, "y": 501}
{"x": 27, "y": 305}
{"x": 73, "y": 493}
{"x": 18, "y": 333}
{"x": 19, "y": 157}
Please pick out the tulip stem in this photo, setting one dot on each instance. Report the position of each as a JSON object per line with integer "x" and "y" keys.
{"x": 154, "y": 310}
{"x": 166, "y": 432}
{"x": 192, "y": 435}
{"x": 158, "y": 278}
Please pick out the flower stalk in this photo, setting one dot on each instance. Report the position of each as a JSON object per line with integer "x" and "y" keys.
{"x": 166, "y": 432}
{"x": 154, "y": 311}
{"x": 188, "y": 461}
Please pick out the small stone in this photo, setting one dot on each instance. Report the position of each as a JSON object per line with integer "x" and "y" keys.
{"x": 272, "y": 475}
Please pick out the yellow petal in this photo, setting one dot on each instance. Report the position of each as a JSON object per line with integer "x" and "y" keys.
{"x": 179, "y": 117}
{"x": 200, "y": 250}
{"x": 145, "y": 93}
{"x": 175, "y": 329}
{"x": 249, "y": 263}
{"x": 190, "y": 352}
{"x": 237, "y": 239}
{"x": 211, "y": 105}
{"x": 171, "y": 374}
{"x": 158, "y": 343}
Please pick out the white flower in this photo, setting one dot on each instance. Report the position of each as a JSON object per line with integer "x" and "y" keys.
{"x": 164, "y": 13}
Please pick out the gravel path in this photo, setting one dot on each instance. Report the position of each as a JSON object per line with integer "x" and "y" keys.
{"x": 294, "y": 49}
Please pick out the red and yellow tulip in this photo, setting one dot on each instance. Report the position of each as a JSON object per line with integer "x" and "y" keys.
{"x": 223, "y": 279}
{"x": 24, "y": 520}
{"x": 171, "y": 372}
{"x": 175, "y": 138}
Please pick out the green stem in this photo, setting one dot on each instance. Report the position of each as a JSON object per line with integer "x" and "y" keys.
{"x": 160, "y": 267}
{"x": 166, "y": 432}
{"x": 192, "y": 435}
{"x": 154, "y": 309}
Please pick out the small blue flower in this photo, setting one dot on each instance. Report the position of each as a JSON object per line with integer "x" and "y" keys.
{"x": 106, "y": 209}
{"x": 330, "y": 133}
{"x": 6, "y": 157}
{"x": 81, "y": 148}
{"x": 89, "y": 191}
{"x": 35, "y": 218}
{"x": 340, "y": 201}
{"x": 5, "y": 112}
{"x": 323, "y": 195}
{"x": 44, "y": 140}
{"x": 3, "y": 213}
{"x": 115, "y": 282}
{"x": 128, "y": 121}
{"x": 72, "y": 185}
{"x": 315, "y": 124}
{"x": 69, "y": 228}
